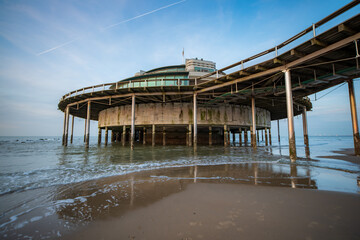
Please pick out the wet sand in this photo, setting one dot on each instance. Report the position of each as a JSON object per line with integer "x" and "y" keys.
{"x": 251, "y": 200}
{"x": 236, "y": 211}
{"x": 346, "y": 154}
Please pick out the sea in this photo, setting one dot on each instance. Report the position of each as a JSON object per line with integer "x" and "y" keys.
{"x": 48, "y": 190}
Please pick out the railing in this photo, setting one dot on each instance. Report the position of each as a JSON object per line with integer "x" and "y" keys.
{"x": 130, "y": 84}
{"x": 275, "y": 49}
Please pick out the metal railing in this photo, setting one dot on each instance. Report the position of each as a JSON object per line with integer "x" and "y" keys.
{"x": 130, "y": 84}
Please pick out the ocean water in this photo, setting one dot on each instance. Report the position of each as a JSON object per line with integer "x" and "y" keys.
{"x": 48, "y": 190}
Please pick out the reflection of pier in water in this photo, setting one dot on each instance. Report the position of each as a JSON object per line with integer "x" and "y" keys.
{"x": 114, "y": 196}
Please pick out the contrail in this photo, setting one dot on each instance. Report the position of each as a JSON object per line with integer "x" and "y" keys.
{"x": 144, "y": 14}
{"x": 111, "y": 26}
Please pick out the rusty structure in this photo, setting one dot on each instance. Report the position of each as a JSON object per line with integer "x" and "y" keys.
{"x": 184, "y": 105}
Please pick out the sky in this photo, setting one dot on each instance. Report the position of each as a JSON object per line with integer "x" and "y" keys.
{"x": 49, "y": 48}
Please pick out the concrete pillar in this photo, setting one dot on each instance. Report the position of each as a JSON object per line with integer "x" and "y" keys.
{"x": 132, "y": 136}
{"x": 88, "y": 124}
{"x": 210, "y": 136}
{"x": 123, "y": 138}
{"x": 63, "y": 137}
{"x": 253, "y": 121}
{"x": 262, "y": 135}
{"x": 278, "y": 125}
{"x": 99, "y": 136}
{"x": 195, "y": 120}
{"x": 290, "y": 116}
{"x": 225, "y": 136}
{"x": 245, "y": 136}
{"x": 72, "y": 130}
{"x": 305, "y": 130}
{"x": 240, "y": 136}
{"x": 66, "y": 126}
{"x": 233, "y": 134}
{"x": 354, "y": 119}
{"x": 153, "y": 135}
{"x": 190, "y": 135}
{"x": 164, "y": 136}
{"x": 106, "y": 136}
{"x": 257, "y": 136}
{"x": 144, "y": 135}
{"x": 112, "y": 136}
{"x": 85, "y": 130}
{"x": 229, "y": 137}
{"x": 270, "y": 136}
{"x": 266, "y": 137}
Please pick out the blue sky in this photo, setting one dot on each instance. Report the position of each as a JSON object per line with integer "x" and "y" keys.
{"x": 33, "y": 78}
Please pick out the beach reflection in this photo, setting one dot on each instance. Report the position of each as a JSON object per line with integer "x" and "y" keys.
{"x": 114, "y": 196}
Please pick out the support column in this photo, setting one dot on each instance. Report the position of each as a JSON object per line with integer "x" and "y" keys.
{"x": 106, "y": 136}
{"x": 266, "y": 137}
{"x": 305, "y": 130}
{"x": 85, "y": 130}
{"x": 278, "y": 125}
{"x": 72, "y": 130}
{"x": 354, "y": 119}
{"x": 99, "y": 136}
{"x": 66, "y": 126}
{"x": 132, "y": 134}
{"x": 245, "y": 136}
{"x": 112, "y": 136}
{"x": 144, "y": 135}
{"x": 290, "y": 116}
{"x": 195, "y": 120}
{"x": 225, "y": 136}
{"x": 257, "y": 136}
{"x": 262, "y": 135}
{"x": 210, "y": 136}
{"x": 253, "y": 133}
{"x": 123, "y": 138}
{"x": 88, "y": 124}
{"x": 190, "y": 135}
{"x": 233, "y": 135}
{"x": 153, "y": 135}
{"x": 270, "y": 136}
{"x": 240, "y": 136}
{"x": 63, "y": 137}
{"x": 164, "y": 136}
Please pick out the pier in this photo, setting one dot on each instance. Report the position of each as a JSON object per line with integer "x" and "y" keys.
{"x": 195, "y": 103}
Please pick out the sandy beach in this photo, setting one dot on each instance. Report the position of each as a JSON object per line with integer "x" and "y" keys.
{"x": 236, "y": 211}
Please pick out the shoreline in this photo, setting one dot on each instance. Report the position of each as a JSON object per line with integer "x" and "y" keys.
{"x": 344, "y": 154}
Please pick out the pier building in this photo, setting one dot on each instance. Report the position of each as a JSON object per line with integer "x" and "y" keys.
{"x": 196, "y": 103}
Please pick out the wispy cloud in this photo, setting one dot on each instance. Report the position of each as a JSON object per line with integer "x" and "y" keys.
{"x": 109, "y": 27}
